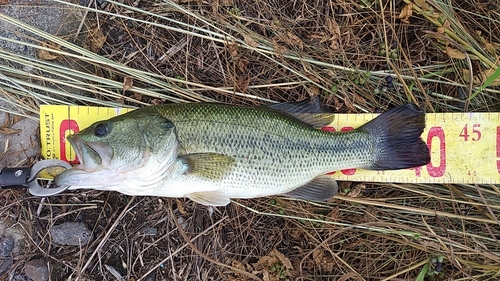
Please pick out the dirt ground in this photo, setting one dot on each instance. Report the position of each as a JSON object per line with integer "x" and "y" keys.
{"x": 359, "y": 56}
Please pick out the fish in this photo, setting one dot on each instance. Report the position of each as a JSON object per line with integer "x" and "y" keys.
{"x": 212, "y": 153}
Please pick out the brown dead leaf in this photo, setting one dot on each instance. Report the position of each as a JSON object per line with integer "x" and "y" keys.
{"x": 6, "y": 121}
{"x": 313, "y": 91}
{"x": 334, "y": 214}
{"x": 466, "y": 75}
{"x": 283, "y": 259}
{"x": 313, "y": 77}
{"x": 406, "y": 13}
{"x": 324, "y": 259}
{"x": 96, "y": 39}
{"x": 250, "y": 41}
{"x": 5, "y": 128}
{"x": 334, "y": 29}
{"x": 296, "y": 234}
{"x": 422, "y": 4}
{"x": 48, "y": 55}
{"x": 279, "y": 49}
{"x": 334, "y": 44}
{"x": 242, "y": 83}
{"x": 357, "y": 190}
{"x": 3, "y": 2}
{"x": 233, "y": 49}
{"x": 454, "y": 53}
{"x": 370, "y": 214}
{"x": 8, "y": 131}
{"x": 446, "y": 25}
{"x": 345, "y": 185}
{"x": 157, "y": 101}
{"x": 432, "y": 245}
{"x": 180, "y": 206}
{"x": 490, "y": 47}
{"x": 274, "y": 257}
{"x": 293, "y": 40}
{"x": 238, "y": 264}
{"x": 481, "y": 76}
{"x": 243, "y": 65}
{"x": 359, "y": 100}
{"x": 348, "y": 103}
{"x": 317, "y": 35}
{"x": 186, "y": 1}
{"x": 226, "y": 2}
{"x": 128, "y": 82}
{"x": 337, "y": 104}
{"x": 487, "y": 73}
{"x": 17, "y": 118}
{"x": 237, "y": 275}
{"x": 138, "y": 96}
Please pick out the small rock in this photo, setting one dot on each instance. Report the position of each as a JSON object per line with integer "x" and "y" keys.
{"x": 6, "y": 246}
{"x": 19, "y": 276}
{"x": 182, "y": 222}
{"x": 15, "y": 231}
{"x": 37, "y": 270}
{"x": 71, "y": 233}
{"x": 5, "y": 264}
{"x": 150, "y": 231}
{"x": 150, "y": 277}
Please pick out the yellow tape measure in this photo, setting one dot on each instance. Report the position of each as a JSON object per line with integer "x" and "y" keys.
{"x": 465, "y": 147}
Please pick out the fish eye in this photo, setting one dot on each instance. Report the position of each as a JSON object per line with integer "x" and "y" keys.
{"x": 101, "y": 130}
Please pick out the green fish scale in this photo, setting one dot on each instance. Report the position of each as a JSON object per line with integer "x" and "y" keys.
{"x": 270, "y": 148}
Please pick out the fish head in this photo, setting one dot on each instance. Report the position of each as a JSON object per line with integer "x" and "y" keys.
{"x": 114, "y": 150}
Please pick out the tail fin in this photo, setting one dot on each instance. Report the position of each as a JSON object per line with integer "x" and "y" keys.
{"x": 397, "y": 134}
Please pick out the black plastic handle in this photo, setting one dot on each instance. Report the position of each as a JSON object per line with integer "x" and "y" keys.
{"x": 14, "y": 177}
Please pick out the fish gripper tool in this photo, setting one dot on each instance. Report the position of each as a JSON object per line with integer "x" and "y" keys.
{"x": 26, "y": 178}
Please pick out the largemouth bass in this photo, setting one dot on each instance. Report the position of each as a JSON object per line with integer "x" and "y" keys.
{"x": 213, "y": 152}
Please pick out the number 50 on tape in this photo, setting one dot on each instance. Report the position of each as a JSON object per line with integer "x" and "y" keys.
{"x": 465, "y": 147}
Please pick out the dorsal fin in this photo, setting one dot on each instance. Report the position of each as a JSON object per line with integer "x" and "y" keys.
{"x": 310, "y": 110}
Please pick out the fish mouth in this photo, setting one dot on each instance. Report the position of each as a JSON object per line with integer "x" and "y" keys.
{"x": 93, "y": 170}
{"x": 93, "y": 156}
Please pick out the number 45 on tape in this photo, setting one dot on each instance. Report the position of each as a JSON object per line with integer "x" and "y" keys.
{"x": 465, "y": 147}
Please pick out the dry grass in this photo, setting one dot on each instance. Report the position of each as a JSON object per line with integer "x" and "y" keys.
{"x": 256, "y": 52}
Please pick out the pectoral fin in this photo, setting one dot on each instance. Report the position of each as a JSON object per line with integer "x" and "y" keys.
{"x": 209, "y": 165}
{"x": 210, "y": 198}
{"x": 321, "y": 188}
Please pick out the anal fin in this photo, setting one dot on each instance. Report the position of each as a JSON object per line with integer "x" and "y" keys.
{"x": 210, "y": 198}
{"x": 321, "y": 188}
